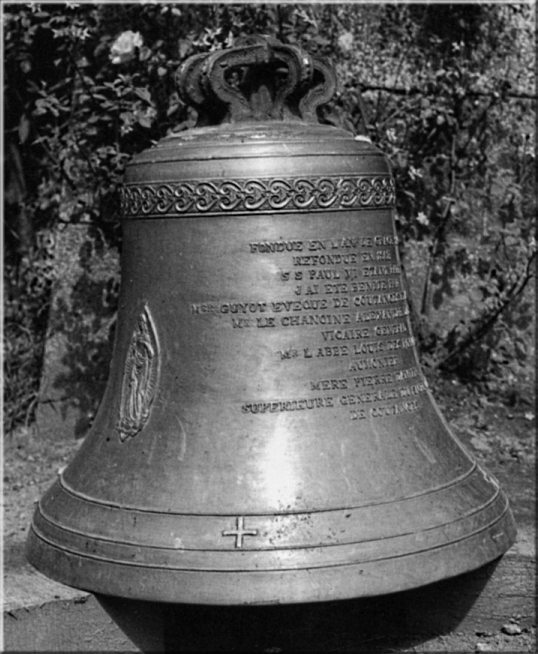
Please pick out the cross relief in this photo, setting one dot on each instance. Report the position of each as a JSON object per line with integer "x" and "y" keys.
{"x": 239, "y": 532}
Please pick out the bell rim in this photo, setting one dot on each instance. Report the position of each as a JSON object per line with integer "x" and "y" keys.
{"x": 288, "y": 586}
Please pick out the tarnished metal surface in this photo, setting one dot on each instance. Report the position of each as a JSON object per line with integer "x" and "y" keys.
{"x": 267, "y": 434}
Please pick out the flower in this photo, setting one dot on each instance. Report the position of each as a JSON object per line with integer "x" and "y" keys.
{"x": 414, "y": 172}
{"x": 345, "y": 41}
{"x": 391, "y": 134}
{"x": 123, "y": 48}
{"x": 422, "y": 218}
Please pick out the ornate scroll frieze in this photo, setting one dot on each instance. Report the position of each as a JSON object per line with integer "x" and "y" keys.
{"x": 257, "y": 195}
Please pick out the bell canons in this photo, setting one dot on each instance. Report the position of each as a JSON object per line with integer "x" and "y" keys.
{"x": 267, "y": 434}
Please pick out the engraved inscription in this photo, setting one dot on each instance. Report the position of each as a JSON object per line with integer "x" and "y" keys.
{"x": 357, "y": 348}
{"x": 239, "y": 532}
{"x": 280, "y": 406}
{"x": 372, "y": 363}
{"x": 337, "y": 299}
{"x": 140, "y": 378}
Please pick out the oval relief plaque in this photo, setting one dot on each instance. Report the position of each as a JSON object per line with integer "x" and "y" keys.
{"x": 140, "y": 377}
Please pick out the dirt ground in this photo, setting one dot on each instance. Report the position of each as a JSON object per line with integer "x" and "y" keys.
{"x": 498, "y": 427}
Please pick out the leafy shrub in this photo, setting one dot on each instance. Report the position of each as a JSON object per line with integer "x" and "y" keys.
{"x": 446, "y": 92}
{"x": 451, "y": 101}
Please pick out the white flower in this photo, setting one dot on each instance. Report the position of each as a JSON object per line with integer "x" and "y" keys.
{"x": 123, "y": 48}
{"x": 422, "y": 218}
{"x": 345, "y": 41}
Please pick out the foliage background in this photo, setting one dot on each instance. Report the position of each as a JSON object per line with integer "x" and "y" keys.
{"x": 447, "y": 92}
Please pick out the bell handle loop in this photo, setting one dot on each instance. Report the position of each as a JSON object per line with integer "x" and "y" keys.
{"x": 189, "y": 86}
{"x": 319, "y": 94}
{"x": 299, "y": 72}
{"x": 214, "y": 76}
{"x": 259, "y": 78}
{"x": 188, "y": 80}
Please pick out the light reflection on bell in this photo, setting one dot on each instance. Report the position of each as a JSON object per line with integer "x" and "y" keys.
{"x": 267, "y": 434}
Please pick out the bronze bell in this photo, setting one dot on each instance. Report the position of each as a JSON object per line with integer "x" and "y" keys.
{"x": 267, "y": 434}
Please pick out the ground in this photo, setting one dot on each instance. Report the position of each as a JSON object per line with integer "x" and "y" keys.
{"x": 497, "y": 424}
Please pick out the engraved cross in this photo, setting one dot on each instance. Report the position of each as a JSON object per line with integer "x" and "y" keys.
{"x": 240, "y": 531}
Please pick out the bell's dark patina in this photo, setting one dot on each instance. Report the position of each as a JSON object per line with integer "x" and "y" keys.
{"x": 267, "y": 434}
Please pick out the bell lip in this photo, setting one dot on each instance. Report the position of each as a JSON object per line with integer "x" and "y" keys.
{"x": 290, "y": 586}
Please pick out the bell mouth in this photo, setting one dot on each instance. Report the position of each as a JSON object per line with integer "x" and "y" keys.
{"x": 260, "y": 559}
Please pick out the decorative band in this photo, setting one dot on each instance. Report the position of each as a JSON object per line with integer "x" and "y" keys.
{"x": 277, "y": 531}
{"x": 234, "y": 196}
{"x": 262, "y": 550}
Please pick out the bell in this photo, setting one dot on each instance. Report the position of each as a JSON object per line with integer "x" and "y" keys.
{"x": 266, "y": 435}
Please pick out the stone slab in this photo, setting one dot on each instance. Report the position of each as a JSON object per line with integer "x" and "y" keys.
{"x": 79, "y": 334}
{"x": 75, "y": 625}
